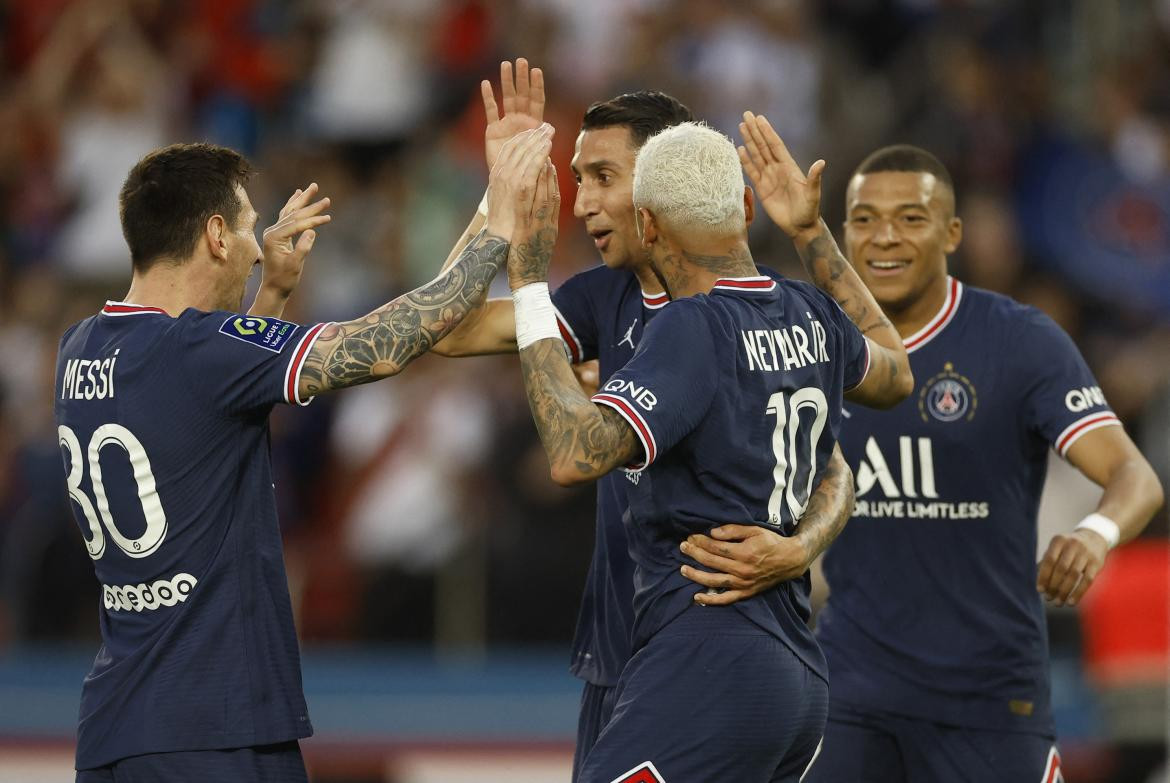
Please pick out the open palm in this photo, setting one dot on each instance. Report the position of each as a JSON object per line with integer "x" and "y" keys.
{"x": 790, "y": 197}
{"x": 523, "y": 99}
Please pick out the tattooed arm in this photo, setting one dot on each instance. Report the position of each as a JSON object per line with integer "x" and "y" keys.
{"x": 385, "y": 341}
{"x": 793, "y": 200}
{"x": 747, "y": 559}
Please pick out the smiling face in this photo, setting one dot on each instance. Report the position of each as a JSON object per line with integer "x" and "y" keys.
{"x": 603, "y": 164}
{"x": 899, "y": 228}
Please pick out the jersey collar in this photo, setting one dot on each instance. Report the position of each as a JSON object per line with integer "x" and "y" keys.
{"x": 654, "y": 301}
{"x": 125, "y": 308}
{"x": 745, "y": 285}
{"x": 940, "y": 320}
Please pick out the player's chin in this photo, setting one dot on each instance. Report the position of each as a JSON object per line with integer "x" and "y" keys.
{"x": 615, "y": 257}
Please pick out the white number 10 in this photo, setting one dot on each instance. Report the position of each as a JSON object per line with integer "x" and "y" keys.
{"x": 784, "y": 445}
{"x": 156, "y": 520}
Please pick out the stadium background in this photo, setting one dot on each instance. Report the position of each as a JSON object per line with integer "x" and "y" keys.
{"x": 435, "y": 569}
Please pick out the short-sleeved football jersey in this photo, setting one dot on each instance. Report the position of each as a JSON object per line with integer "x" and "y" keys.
{"x": 602, "y": 313}
{"x": 933, "y": 609}
{"x": 163, "y": 425}
{"x": 736, "y": 399}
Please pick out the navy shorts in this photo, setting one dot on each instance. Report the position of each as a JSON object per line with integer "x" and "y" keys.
{"x": 281, "y": 763}
{"x": 882, "y": 748}
{"x": 711, "y": 696}
{"x": 596, "y": 708}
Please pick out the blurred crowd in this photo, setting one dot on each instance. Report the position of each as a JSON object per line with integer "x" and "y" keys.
{"x": 419, "y": 510}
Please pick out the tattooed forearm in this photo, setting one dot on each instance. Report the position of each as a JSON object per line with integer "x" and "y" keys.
{"x": 829, "y": 508}
{"x": 383, "y": 342}
{"x": 583, "y": 440}
{"x": 530, "y": 258}
{"x": 831, "y": 273}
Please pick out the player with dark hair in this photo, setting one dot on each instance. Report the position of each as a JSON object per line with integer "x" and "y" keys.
{"x": 162, "y": 406}
{"x": 934, "y": 629}
{"x": 601, "y": 314}
{"x": 728, "y": 409}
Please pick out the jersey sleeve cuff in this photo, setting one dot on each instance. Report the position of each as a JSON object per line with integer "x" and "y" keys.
{"x": 292, "y": 375}
{"x": 1073, "y": 432}
{"x": 570, "y": 338}
{"x": 639, "y": 425}
{"x": 865, "y": 370}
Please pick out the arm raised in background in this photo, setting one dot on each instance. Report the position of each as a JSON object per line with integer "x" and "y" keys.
{"x": 1133, "y": 493}
{"x": 385, "y": 341}
{"x": 748, "y": 559}
{"x": 792, "y": 200}
{"x": 491, "y": 327}
{"x": 283, "y": 261}
{"x": 583, "y": 440}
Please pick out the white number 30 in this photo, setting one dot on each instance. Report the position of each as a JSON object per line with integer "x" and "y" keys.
{"x": 156, "y": 520}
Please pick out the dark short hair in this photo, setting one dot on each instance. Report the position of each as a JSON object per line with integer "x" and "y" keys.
{"x": 644, "y": 113}
{"x": 169, "y": 195}
{"x": 906, "y": 157}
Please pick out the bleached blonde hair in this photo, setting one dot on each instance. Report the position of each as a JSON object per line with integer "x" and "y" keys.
{"x": 689, "y": 176}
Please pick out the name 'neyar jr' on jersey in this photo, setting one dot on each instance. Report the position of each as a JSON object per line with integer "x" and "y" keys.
{"x": 163, "y": 425}
{"x": 933, "y": 610}
{"x": 736, "y": 399}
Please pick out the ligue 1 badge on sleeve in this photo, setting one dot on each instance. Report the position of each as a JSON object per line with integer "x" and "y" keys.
{"x": 268, "y": 333}
{"x": 948, "y": 396}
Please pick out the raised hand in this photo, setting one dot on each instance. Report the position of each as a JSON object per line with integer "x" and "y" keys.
{"x": 513, "y": 182}
{"x": 283, "y": 260}
{"x": 532, "y": 244}
{"x": 523, "y": 99}
{"x": 790, "y": 197}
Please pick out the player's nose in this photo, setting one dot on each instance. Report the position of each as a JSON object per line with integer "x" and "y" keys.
{"x": 887, "y": 234}
{"x": 584, "y": 203}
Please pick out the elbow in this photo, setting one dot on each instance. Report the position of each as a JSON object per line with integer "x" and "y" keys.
{"x": 567, "y": 475}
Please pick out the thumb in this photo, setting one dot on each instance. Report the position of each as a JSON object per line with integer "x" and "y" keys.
{"x": 305, "y": 243}
{"x": 734, "y": 532}
{"x": 815, "y": 171}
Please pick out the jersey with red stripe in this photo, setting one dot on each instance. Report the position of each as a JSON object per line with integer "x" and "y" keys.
{"x": 933, "y": 610}
{"x": 163, "y": 426}
{"x": 736, "y": 399}
{"x": 602, "y": 313}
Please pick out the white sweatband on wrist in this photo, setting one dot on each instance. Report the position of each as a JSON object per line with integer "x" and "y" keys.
{"x": 482, "y": 208}
{"x": 1102, "y": 526}
{"x": 536, "y": 318}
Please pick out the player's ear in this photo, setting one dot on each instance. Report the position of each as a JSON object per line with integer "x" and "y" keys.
{"x": 954, "y": 235}
{"x": 749, "y": 205}
{"x": 215, "y": 234}
{"x": 647, "y": 227}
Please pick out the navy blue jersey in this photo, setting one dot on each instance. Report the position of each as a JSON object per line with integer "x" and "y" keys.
{"x": 601, "y": 314}
{"x": 163, "y": 424}
{"x": 736, "y": 398}
{"x": 933, "y": 610}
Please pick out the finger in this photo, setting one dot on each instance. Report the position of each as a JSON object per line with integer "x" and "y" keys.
{"x": 490, "y": 110}
{"x": 304, "y": 244}
{"x": 815, "y": 172}
{"x": 289, "y": 228}
{"x": 1048, "y": 562}
{"x": 554, "y": 184}
{"x": 722, "y": 599}
{"x": 775, "y": 144}
{"x": 522, "y": 85}
{"x": 288, "y": 205}
{"x": 749, "y": 165}
{"x": 758, "y": 145}
{"x": 511, "y": 150}
{"x": 507, "y": 87}
{"x": 1090, "y": 575}
{"x": 751, "y": 143}
{"x": 541, "y": 201}
{"x": 313, "y": 209}
{"x": 1063, "y": 573}
{"x": 717, "y": 562}
{"x": 1078, "y": 561}
{"x": 719, "y": 581}
{"x": 734, "y": 532}
{"x": 700, "y": 541}
{"x": 536, "y": 95}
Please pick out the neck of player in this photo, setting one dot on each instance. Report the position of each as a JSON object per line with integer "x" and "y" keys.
{"x": 174, "y": 288}
{"x": 911, "y": 316}
{"x": 695, "y": 268}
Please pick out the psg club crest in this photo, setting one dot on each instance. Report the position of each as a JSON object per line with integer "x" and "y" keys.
{"x": 947, "y": 396}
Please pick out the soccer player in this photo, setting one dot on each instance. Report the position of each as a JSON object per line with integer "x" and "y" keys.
{"x": 934, "y": 629}
{"x": 602, "y": 314}
{"x": 162, "y": 408}
{"x": 728, "y": 409}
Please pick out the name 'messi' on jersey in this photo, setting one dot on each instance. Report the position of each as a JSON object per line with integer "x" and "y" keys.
{"x": 784, "y": 349}
{"x": 89, "y": 379}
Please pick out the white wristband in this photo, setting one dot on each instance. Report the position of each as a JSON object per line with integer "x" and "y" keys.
{"x": 482, "y": 208}
{"x": 536, "y": 318}
{"x": 1102, "y": 526}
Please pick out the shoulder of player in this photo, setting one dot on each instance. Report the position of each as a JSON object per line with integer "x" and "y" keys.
{"x": 768, "y": 271}
{"x": 1018, "y": 320}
